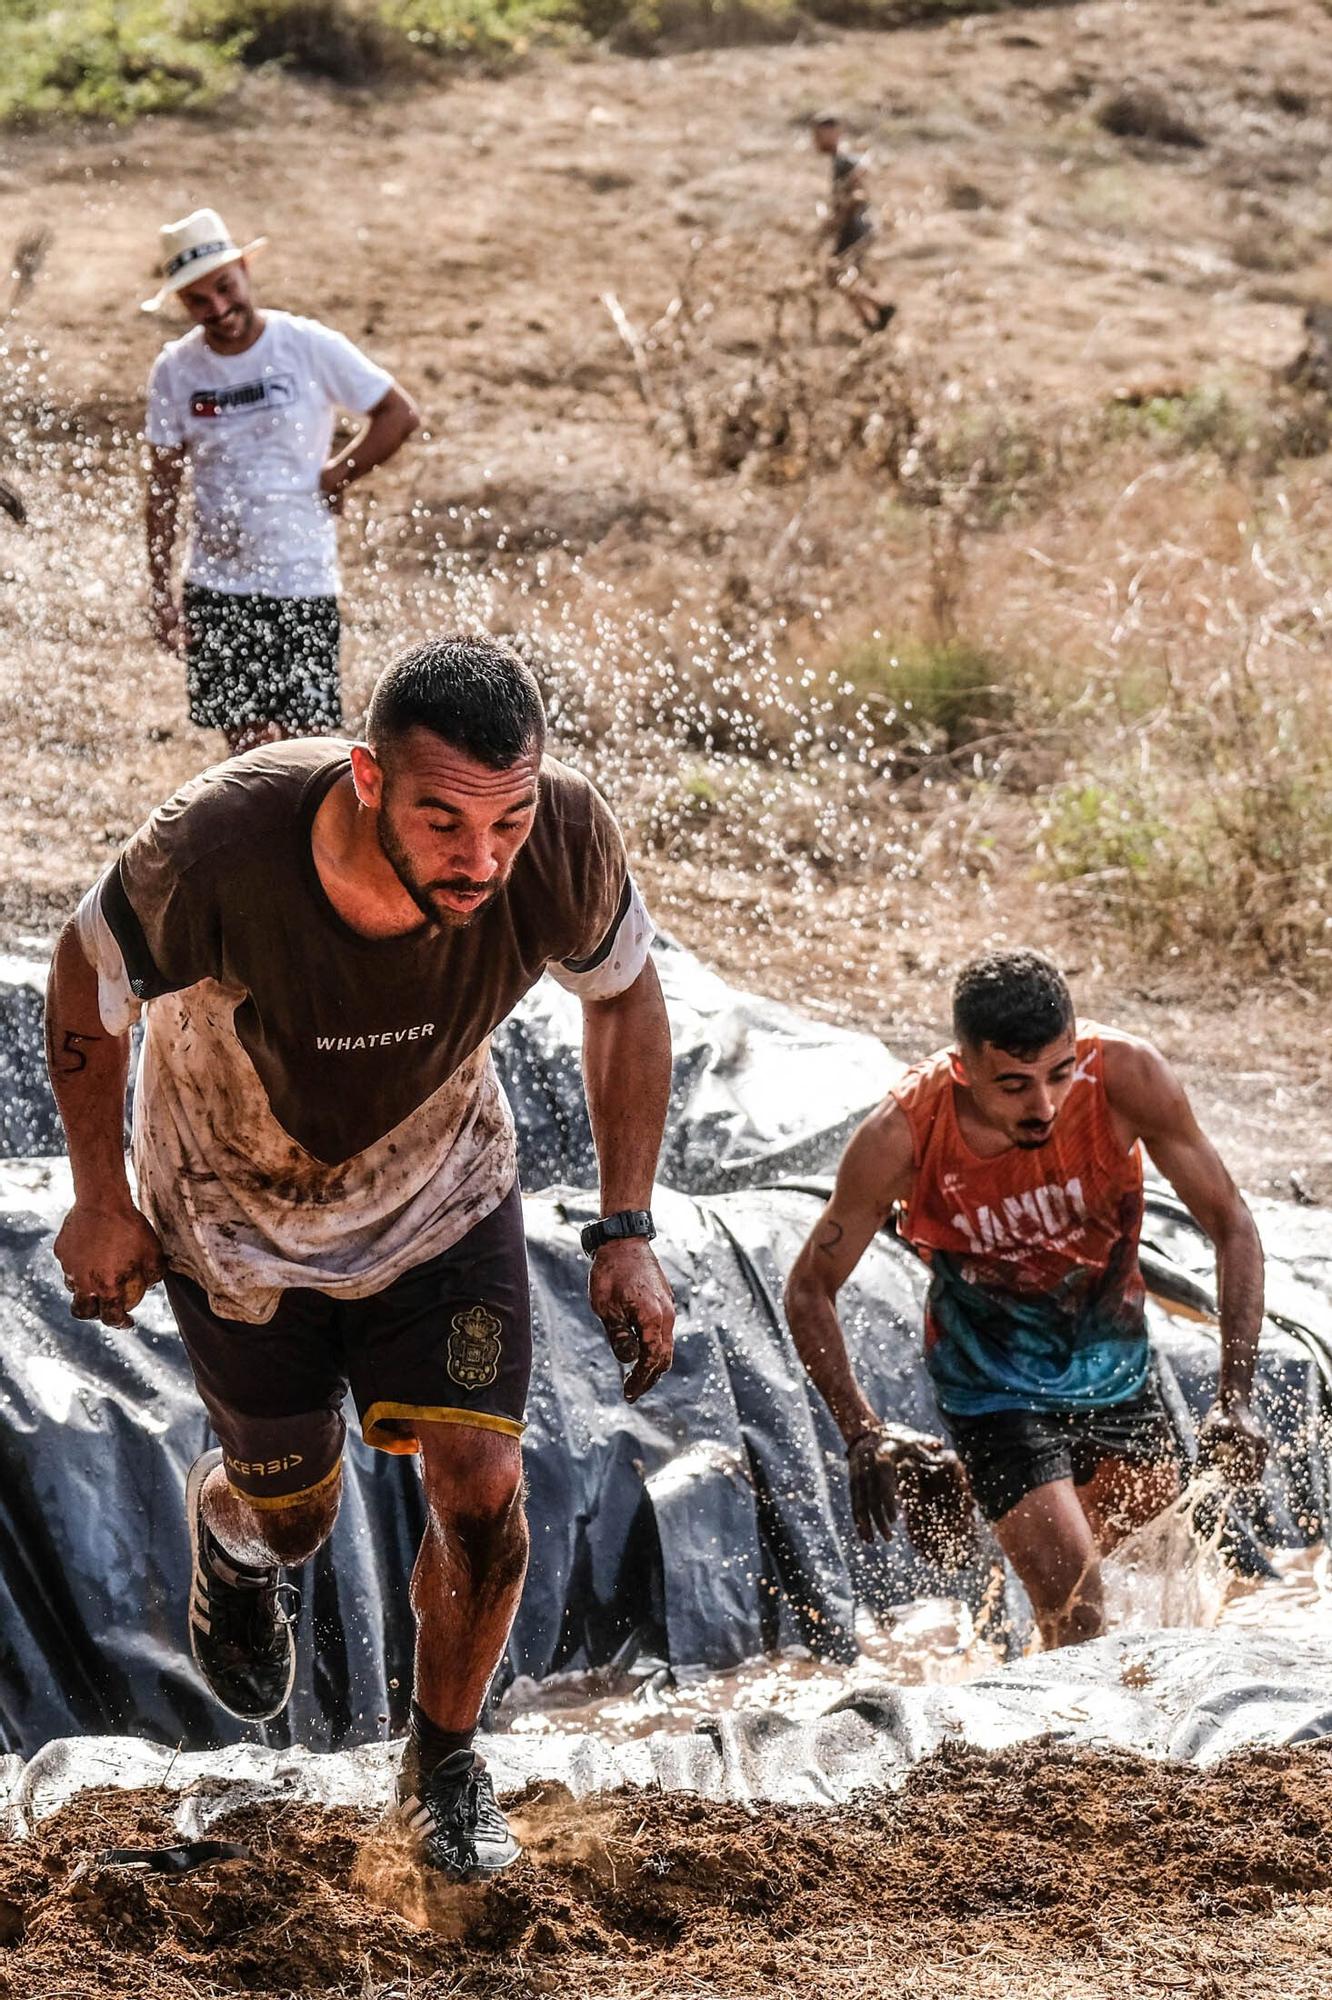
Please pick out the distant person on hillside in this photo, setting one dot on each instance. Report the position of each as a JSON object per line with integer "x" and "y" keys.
{"x": 849, "y": 225}
{"x": 1013, "y": 1161}
{"x": 248, "y": 400}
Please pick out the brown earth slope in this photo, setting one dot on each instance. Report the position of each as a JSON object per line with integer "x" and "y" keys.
{"x": 696, "y": 550}
{"x": 1034, "y": 1874}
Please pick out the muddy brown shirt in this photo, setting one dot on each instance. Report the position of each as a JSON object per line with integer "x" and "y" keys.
{"x": 315, "y": 1107}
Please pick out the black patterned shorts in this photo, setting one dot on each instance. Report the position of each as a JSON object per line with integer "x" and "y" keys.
{"x": 262, "y": 659}
{"x": 1011, "y": 1452}
{"x": 449, "y": 1342}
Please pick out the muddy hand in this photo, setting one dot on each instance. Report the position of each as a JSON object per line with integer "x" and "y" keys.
{"x": 1230, "y": 1442}
{"x": 937, "y": 1507}
{"x": 892, "y": 1468}
{"x": 630, "y": 1296}
{"x": 110, "y": 1256}
{"x": 872, "y": 1470}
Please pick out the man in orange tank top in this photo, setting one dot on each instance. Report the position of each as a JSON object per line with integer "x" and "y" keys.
{"x": 1014, "y": 1164}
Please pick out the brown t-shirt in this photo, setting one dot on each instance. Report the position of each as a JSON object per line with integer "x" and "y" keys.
{"x": 316, "y": 1107}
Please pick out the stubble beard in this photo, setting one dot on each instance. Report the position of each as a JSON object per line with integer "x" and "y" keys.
{"x": 244, "y": 328}
{"x": 448, "y": 920}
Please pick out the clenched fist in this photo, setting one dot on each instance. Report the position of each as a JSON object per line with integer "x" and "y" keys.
{"x": 110, "y": 1256}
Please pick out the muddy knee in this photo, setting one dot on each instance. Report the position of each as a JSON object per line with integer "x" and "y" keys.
{"x": 290, "y": 1535}
{"x": 475, "y": 1520}
{"x": 295, "y": 1538}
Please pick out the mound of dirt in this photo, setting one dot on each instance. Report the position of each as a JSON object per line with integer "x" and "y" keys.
{"x": 1040, "y": 1871}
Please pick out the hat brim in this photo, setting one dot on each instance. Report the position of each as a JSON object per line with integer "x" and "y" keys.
{"x": 193, "y": 272}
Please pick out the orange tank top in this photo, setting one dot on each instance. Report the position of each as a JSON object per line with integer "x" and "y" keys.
{"x": 1036, "y": 1296}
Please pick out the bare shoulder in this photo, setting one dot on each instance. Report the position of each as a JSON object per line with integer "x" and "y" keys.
{"x": 881, "y": 1155}
{"x": 1139, "y": 1082}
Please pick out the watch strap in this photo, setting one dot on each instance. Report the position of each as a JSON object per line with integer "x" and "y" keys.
{"x": 625, "y": 1222}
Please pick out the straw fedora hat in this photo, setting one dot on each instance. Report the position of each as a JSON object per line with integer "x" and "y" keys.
{"x": 191, "y": 249}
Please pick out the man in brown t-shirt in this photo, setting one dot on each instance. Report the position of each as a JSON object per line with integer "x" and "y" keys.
{"x": 321, "y": 937}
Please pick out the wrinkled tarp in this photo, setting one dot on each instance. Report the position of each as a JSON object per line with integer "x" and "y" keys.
{"x": 706, "y": 1525}
{"x": 709, "y": 1523}
{"x": 28, "y": 1121}
{"x": 1195, "y": 1696}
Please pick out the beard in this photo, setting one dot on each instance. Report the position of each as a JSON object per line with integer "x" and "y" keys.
{"x": 423, "y": 893}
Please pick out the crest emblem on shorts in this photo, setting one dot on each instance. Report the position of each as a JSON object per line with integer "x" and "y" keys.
{"x": 474, "y": 1348}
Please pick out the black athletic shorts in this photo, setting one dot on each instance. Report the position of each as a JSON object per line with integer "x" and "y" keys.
{"x": 1010, "y": 1453}
{"x": 853, "y": 239}
{"x": 262, "y": 659}
{"x": 449, "y": 1342}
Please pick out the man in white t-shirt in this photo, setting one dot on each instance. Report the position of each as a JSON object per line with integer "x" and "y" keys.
{"x": 248, "y": 400}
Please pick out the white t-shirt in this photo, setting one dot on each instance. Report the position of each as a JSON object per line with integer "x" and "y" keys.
{"x": 257, "y": 427}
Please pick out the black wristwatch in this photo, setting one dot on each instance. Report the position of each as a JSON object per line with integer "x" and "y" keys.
{"x": 614, "y": 1228}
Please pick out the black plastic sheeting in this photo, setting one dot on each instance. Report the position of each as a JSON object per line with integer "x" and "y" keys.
{"x": 705, "y": 1526}
{"x": 28, "y": 1120}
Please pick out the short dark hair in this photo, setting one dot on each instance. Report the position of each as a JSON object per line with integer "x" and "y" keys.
{"x": 474, "y": 693}
{"x": 1018, "y": 1001}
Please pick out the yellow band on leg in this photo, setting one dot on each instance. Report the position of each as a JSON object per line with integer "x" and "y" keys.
{"x": 275, "y": 1502}
{"x": 418, "y": 1413}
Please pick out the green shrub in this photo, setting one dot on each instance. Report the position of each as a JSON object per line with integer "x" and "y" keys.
{"x": 1239, "y": 863}
{"x": 336, "y": 39}
{"x": 1202, "y": 419}
{"x": 103, "y": 59}
{"x": 936, "y": 699}
{"x": 121, "y": 58}
{"x": 363, "y": 41}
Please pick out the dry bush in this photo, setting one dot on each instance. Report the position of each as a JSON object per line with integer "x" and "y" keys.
{"x": 1194, "y": 814}
{"x": 1236, "y": 861}
{"x": 785, "y": 401}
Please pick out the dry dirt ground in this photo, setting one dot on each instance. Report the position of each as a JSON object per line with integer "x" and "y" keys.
{"x": 466, "y": 235}
{"x": 1033, "y": 1874}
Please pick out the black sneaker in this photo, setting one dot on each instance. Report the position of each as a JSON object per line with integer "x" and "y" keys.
{"x": 453, "y": 1814}
{"x": 240, "y": 1635}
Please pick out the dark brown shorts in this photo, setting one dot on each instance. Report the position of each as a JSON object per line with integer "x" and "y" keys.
{"x": 1011, "y": 1452}
{"x": 449, "y": 1342}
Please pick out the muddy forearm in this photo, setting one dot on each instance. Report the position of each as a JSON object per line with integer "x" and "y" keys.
{"x": 627, "y": 1077}
{"x": 88, "y": 1069}
{"x": 1239, "y": 1271}
{"x": 821, "y": 1345}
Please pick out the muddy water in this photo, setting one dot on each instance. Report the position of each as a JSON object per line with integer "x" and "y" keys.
{"x": 1169, "y": 1574}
